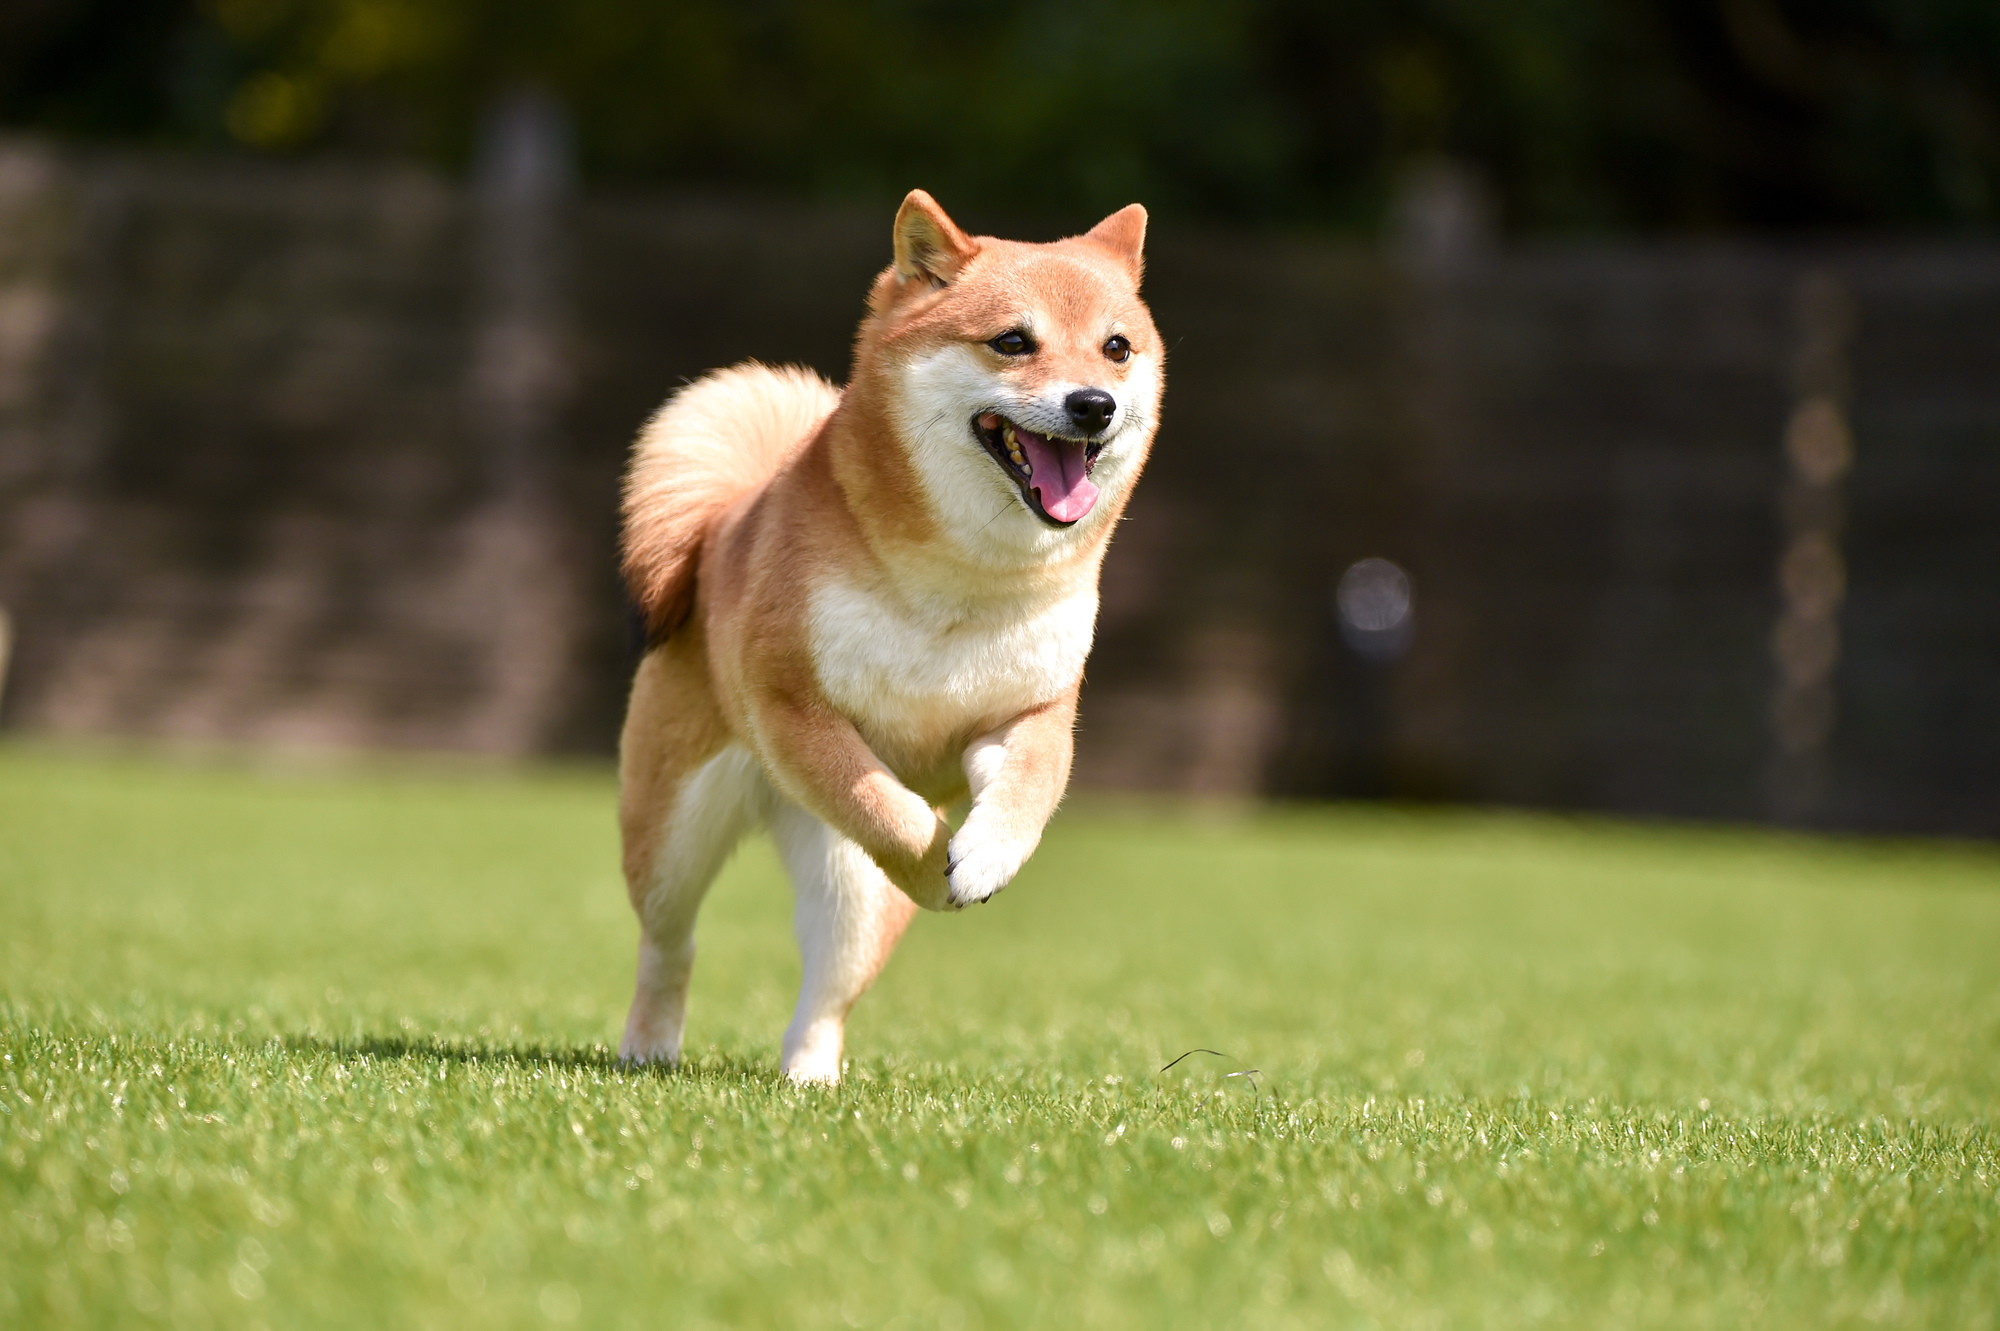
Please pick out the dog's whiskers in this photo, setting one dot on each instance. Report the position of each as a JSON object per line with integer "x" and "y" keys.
{"x": 1005, "y": 504}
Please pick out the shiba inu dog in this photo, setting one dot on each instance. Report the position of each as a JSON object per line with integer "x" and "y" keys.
{"x": 864, "y": 606}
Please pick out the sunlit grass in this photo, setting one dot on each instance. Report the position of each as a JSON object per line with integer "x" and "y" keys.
{"x": 331, "y": 1050}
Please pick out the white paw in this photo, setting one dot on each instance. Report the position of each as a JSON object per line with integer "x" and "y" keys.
{"x": 653, "y": 1031}
{"x": 982, "y": 861}
{"x": 637, "y": 1051}
{"x": 810, "y": 1074}
{"x": 812, "y": 1056}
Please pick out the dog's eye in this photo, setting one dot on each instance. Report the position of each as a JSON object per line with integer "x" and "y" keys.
{"x": 1118, "y": 349}
{"x": 1013, "y": 342}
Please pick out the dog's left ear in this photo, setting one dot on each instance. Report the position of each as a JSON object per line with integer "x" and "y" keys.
{"x": 929, "y": 245}
{"x": 1124, "y": 234}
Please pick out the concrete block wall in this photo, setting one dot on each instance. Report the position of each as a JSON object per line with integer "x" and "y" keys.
{"x": 323, "y": 455}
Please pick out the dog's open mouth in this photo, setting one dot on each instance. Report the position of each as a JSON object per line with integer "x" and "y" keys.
{"x": 1053, "y": 473}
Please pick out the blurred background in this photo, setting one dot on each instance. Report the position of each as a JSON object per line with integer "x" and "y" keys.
{"x": 1587, "y": 403}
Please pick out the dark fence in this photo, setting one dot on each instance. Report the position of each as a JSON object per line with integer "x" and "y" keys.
{"x": 326, "y": 455}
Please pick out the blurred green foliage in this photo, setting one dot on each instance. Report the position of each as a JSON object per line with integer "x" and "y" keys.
{"x": 1581, "y": 114}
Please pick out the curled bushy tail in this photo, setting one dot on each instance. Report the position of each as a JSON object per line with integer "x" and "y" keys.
{"x": 713, "y": 442}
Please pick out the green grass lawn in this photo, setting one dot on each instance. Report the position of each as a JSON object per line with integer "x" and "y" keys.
{"x": 289, "y": 1049}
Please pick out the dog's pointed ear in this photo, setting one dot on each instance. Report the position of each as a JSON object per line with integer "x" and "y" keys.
{"x": 929, "y": 245}
{"x": 1124, "y": 234}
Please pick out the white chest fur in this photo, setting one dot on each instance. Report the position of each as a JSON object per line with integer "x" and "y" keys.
{"x": 912, "y": 676}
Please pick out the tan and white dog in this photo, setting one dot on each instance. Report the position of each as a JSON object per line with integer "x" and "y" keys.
{"x": 864, "y": 606}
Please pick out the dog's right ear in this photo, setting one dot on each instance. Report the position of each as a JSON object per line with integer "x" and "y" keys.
{"x": 1124, "y": 234}
{"x": 929, "y": 245}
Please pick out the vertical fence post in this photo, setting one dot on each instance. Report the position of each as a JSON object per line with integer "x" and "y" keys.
{"x": 1812, "y": 577}
{"x": 520, "y": 383}
{"x": 6, "y": 653}
{"x": 61, "y": 226}
{"x": 1443, "y": 246}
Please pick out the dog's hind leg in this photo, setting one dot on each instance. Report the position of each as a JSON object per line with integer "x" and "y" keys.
{"x": 686, "y": 800}
{"x": 848, "y": 917}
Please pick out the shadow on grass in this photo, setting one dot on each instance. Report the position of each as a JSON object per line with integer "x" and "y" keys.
{"x": 713, "y": 1067}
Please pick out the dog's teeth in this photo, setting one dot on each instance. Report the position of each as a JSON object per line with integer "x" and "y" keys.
{"x": 1014, "y": 449}
{"x": 989, "y": 421}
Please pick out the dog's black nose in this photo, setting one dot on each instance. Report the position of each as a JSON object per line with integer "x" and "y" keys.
{"x": 1090, "y": 408}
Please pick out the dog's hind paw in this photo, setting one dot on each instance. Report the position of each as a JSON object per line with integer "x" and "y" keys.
{"x": 637, "y": 1054}
{"x": 812, "y": 1053}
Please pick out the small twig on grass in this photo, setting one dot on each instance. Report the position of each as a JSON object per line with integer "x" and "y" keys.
{"x": 1248, "y": 1074}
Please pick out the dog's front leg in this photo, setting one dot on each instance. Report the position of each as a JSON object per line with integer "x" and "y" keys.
{"x": 1017, "y": 775}
{"x": 818, "y": 760}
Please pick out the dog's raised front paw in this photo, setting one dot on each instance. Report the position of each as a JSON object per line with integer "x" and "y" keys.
{"x": 982, "y": 861}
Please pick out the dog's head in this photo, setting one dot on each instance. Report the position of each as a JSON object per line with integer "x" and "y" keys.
{"x": 1023, "y": 379}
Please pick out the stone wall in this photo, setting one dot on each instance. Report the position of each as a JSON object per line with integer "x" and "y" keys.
{"x": 323, "y": 455}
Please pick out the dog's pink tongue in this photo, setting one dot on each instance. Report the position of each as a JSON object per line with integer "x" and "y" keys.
{"x": 1059, "y": 480}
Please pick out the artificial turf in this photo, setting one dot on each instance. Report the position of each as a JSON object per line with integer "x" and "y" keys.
{"x": 289, "y": 1049}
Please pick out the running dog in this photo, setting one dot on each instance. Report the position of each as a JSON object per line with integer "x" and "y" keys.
{"x": 864, "y": 606}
